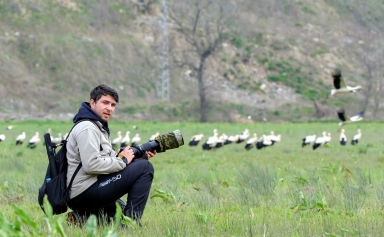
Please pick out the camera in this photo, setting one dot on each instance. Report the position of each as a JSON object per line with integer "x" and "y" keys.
{"x": 161, "y": 143}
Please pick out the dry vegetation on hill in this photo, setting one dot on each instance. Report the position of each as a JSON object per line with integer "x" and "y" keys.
{"x": 275, "y": 61}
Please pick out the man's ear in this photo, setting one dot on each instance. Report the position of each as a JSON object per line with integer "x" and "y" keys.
{"x": 92, "y": 103}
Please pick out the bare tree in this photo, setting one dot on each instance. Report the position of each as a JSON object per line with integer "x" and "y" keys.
{"x": 204, "y": 25}
{"x": 370, "y": 68}
{"x": 366, "y": 16}
{"x": 378, "y": 91}
{"x": 320, "y": 111}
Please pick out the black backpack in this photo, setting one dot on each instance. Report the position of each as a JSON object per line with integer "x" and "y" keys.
{"x": 55, "y": 182}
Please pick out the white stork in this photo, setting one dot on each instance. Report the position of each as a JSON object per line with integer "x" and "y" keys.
{"x": 135, "y": 140}
{"x": 56, "y": 140}
{"x": 20, "y": 138}
{"x": 232, "y": 139}
{"x": 243, "y": 136}
{"x": 2, "y": 137}
{"x": 274, "y": 138}
{"x": 211, "y": 142}
{"x": 65, "y": 136}
{"x": 319, "y": 141}
{"x": 117, "y": 140}
{"x": 34, "y": 140}
{"x": 264, "y": 141}
{"x": 194, "y": 141}
{"x": 126, "y": 139}
{"x": 308, "y": 140}
{"x": 221, "y": 140}
{"x": 340, "y": 86}
{"x": 345, "y": 119}
{"x": 9, "y": 127}
{"x": 356, "y": 138}
{"x": 152, "y": 138}
{"x": 327, "y": 139}
{"x": 251, "y": 142}
{"x": 343, "y": 138}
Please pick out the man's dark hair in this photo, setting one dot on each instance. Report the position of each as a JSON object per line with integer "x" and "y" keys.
{"x": 101, "y": 90}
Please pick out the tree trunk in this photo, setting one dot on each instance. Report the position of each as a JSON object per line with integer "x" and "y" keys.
{"x": 320, "y": 112}
{"x": 369, "y": 86}
{"x": 379, "y": 87}
{"x": 202, "y": 92}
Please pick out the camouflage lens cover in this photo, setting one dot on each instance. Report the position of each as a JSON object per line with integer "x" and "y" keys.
{"x": 170, "y": 140}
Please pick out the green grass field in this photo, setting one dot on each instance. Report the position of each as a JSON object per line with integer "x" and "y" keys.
{"x": 283, "y": 190}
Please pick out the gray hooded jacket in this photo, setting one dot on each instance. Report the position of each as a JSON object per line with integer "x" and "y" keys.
{"x": 90, "y": 145}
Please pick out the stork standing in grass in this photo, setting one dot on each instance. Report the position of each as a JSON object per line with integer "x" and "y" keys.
{"x": 327, "y": 139}
{"x": 319, "y": 141}
{"x": 243, "y": 136}
{"x": 2, "y": 137}
{"x": 194, "y": 141}
{"x": 117, "y": 141}
{"x": 274, "y": 138}
{"x": 211, "y": 142}
{"x": 356, "y": 138}
{"x": 56, "y": 140}
{"x": 34, "y": 140}
{"x": 272, "y": 135}
{"x": 232, "y": 139}
{"x": 251, "y": 143}
{"x": 340, "y": 86}
{"x": 126, "y": 139}
{"x": 152, "y": 138}
{"x": 65, "y": 136}
{"x": 308, "y": 140}
{"x": 264, "y": 141}
{"x": 221, "y": 140}
{"x": 135, "y": 140}
{"x": 20, "y": 138}
{"x": 346, "y": 119}
{"x": 343, "y": 138}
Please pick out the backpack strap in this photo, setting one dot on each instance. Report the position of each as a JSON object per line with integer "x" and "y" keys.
{"x": 80, "y": 122}
{"x": 73, "y": 176}
{"x": 81, "y": 164}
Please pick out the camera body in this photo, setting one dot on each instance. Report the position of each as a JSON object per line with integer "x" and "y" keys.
{"x": 161, "y": 143}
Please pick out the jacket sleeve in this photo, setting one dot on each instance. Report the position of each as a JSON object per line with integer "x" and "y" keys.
{"x": 94, "y": 162}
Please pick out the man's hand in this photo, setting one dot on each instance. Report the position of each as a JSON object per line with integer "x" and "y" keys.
{"x": 150, "y": 154}
{"x": 127, "y": 153}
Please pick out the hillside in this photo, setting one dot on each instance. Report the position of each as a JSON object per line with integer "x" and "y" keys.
{"x": 278, "y": 61}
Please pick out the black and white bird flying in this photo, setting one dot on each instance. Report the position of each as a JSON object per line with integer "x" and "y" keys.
{"x": 340, "y": 86}
{"x": 345, "y": 119}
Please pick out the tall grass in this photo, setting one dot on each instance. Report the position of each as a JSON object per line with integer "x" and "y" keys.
{"x": 283, "y": 190}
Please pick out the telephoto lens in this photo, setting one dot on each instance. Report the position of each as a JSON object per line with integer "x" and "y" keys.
{"x": 161, "y": 143}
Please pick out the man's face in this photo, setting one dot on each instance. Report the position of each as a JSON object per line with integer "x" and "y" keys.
{"x": 104, "y": 107}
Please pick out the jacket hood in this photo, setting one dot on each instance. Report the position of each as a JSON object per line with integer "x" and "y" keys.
{"x": 85, "y": 112}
